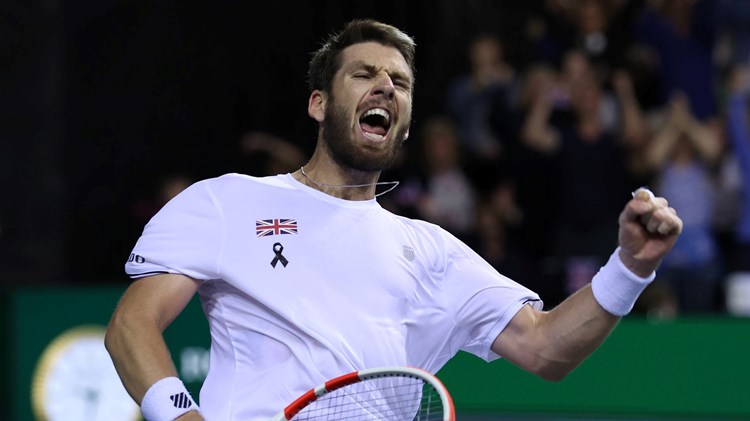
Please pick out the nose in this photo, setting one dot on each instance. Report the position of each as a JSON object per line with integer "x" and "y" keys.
{"x": 384, "y": 86}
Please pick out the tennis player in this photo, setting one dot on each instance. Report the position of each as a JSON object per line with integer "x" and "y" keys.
{"x": 304, "y": 276}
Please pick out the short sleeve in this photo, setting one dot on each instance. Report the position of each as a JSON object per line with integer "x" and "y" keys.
{"x": 485, "y": 301}
{"x": 184, "y": 237}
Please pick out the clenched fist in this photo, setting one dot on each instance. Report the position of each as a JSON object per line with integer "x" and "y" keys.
{"x": 648, "y": 230}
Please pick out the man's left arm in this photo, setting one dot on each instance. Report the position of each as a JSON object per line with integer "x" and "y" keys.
{"x": 553, "y": 343}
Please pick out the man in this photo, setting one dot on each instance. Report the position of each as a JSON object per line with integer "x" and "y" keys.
{"x": 304, "y": 277}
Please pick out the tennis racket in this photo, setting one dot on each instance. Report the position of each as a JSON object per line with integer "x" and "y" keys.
{"x": 396, "y": 393}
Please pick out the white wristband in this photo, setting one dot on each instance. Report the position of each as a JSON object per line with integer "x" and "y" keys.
{"x": 166, "y": 400}
{"x": 616, "y": 288}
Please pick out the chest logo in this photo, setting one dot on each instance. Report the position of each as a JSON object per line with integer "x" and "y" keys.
{"x": 409, "y": 253}
{"x": 266, "y": 227}
{"x": 277, "y": 249}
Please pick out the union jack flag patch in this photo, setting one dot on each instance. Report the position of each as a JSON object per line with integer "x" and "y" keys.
{"x": 265, "y": 227}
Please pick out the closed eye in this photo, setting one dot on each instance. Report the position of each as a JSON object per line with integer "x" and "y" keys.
{"x": 402, "y": 84}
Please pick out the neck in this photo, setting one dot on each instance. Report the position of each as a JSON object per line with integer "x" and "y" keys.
{"x": 363, "y": 191}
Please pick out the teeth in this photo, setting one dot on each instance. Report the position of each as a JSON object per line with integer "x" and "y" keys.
{"x": 379, "y": 111}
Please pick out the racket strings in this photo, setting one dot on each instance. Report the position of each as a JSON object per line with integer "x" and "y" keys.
{"x": 383, "y": 398}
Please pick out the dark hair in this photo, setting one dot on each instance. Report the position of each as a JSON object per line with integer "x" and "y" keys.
{"x": 326, "y": 61}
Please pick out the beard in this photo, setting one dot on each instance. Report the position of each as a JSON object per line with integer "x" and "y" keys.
{"x": 337, "y": 134}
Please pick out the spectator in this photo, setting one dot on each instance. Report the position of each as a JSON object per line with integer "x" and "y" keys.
{"x": 576, "y": 70}
{"x": 683, "y": 154}
{"x": 471, "y": 97}
{"x": 590, "y": 162}
{"x": 497, "y": 231}
{"x": 448, "y": 198}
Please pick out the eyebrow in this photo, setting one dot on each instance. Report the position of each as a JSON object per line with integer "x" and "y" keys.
{"x": 395, "y": 73}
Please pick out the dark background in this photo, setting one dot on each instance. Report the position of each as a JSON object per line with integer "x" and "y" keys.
{"x": 102, "y": 98}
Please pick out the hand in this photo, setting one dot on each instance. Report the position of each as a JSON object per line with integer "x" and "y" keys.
{"x": 622, "y": 82}
{"x": 648, "y": 230}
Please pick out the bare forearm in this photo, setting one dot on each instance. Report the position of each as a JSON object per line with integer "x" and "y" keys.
{"x": 134, "y": 335}
{"x": 705, "y": 140}
{"x": 537, "y": 132}
{"x": 661, "y": 146}
{"x": 139, "y": 353}
{"x": 576, "y": 327}
{"x": 551, "y": 344}
{"x": 141, "y": 367}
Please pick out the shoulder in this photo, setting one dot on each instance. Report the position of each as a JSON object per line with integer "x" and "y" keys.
{"x": 429, "y": 234}
{"x": 243, "y": 180}
{"x": 231, "y": 183}
{"x": 414, "y": 224}
{"x": 222, "y": 190}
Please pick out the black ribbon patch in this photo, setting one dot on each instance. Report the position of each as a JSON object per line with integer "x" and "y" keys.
{"x": 277, "y": 249}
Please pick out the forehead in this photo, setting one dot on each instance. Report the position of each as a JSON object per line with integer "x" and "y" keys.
{"x": 377, "y": 55}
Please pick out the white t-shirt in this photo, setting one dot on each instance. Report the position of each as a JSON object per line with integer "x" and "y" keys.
{"x": 299, "y": 287}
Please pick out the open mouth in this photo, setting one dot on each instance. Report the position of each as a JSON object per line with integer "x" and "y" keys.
{"x": 375, "y": 123}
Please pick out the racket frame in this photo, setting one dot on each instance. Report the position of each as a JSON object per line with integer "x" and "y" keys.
{"x": 449, "y": 413}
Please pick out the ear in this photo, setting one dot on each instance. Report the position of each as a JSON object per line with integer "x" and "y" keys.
{"x": 316, "y": 105}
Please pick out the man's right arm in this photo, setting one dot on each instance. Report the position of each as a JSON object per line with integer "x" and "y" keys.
{"x": 134, "y": 336}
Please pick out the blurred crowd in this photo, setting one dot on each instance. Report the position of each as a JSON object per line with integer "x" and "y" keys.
{"x": 531, "y": 160}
